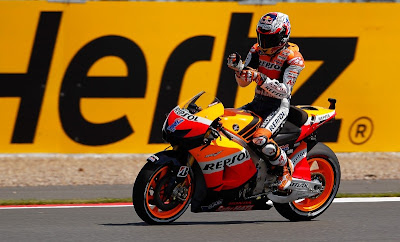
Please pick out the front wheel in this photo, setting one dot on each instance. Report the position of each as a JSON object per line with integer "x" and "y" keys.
{"x": 157, "y": 197}
{"x": 324, "y": 167}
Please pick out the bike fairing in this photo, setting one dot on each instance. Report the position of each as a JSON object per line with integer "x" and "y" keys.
{"x": 218, "y": 160}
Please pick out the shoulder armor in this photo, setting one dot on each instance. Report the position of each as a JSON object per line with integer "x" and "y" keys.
{"x": 293, "y": 47}
{"x": 295, "y": 57}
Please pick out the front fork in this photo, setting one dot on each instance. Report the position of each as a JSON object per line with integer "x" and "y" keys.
{"x": 177, "y": 187}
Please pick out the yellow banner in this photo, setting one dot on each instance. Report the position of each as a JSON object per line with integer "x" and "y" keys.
{"x": 99, "y": 77}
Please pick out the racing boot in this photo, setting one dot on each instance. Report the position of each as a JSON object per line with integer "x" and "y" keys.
{"x": 285, "y": 180}
{"x": 282, "y": 164}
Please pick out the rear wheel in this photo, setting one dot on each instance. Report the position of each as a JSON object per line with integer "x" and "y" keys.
{"x": 324, "y": 167}
{"x": 157, "y": 197}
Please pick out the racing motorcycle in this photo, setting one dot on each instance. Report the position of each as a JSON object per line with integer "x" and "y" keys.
{"x": 212, "y": 164}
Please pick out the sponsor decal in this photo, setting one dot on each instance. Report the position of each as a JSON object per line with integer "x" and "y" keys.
{"x": 277, "y": 121}
{"x": 214, "y": 204}
{"x": 153, "y": 158}
{"x": 299, "y": 156}
{"x": 291, "y": 82}
{"x": 235, "y": 127}
{"x": 270, "y": 66}
{"x": 285, "y": 147}
{"x": 235, "y": 208}
{"x": 299, "y": 185}
{"x": 214, "y": 154}
{"x": 185, "y": 114}
{"x": 217, "y": 165}
{"x": 92, "y": 136}
{"x": 175, "y": 124}
{"x": 323, "y": 118}
{"x": 183, "y": 171}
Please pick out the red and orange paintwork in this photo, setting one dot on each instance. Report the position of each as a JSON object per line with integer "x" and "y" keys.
{"x": 243, "y": 124}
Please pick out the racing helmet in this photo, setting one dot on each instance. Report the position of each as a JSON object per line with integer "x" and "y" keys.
{"x": 273, "y": 31}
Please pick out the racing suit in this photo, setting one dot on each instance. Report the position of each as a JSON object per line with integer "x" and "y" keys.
{"x": 275, "y": 76}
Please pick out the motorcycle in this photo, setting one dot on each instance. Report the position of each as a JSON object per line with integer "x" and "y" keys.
{"x": 213, "y": 165}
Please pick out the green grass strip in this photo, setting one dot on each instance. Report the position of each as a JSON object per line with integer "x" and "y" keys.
{"x": 69, "y": 201}
{"x": 342, "y": 195}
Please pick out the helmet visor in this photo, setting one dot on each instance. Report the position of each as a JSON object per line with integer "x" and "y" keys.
{"x": 266, "y": 41}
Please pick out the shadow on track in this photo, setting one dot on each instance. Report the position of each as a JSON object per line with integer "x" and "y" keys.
{"x": 203, "y": 223}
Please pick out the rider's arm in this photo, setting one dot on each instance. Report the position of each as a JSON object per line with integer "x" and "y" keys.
{"x": 251, "y": 63}
{"x": 243, "y": 82}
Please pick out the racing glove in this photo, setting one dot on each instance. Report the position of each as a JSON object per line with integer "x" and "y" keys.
{"x": 250, "y": 75}
{"x": 235, "y": 62}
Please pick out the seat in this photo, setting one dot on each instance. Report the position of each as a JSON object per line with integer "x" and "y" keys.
{"x": 292, "y": 128}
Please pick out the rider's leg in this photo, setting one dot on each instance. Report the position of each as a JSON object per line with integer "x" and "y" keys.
{"x": 276, "y": 156}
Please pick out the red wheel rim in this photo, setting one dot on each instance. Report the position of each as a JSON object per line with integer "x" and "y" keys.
{"x": 319, "y": 167}
{"x": 154, "y": 210}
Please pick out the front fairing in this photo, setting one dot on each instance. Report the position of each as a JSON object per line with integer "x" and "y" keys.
{"x": 188, "y": 122}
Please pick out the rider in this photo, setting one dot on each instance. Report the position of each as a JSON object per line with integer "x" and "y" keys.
{"x": 274, "y": 64}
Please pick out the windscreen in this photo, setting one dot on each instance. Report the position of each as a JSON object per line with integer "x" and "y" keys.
{"x": 204, "y": 105}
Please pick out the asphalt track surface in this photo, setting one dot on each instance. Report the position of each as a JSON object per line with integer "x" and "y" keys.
{"x": 343, "y": 221}
{"x": 355, "y": 221}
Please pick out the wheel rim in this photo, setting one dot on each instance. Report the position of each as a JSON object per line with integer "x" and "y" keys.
{"x": 321, "y": 169}
{"x": 150, "y": 196}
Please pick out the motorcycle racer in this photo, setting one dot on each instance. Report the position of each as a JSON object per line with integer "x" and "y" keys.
{"x": 274, "y": 64}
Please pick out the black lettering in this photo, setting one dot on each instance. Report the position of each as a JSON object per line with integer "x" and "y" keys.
{"x": 77, "y": 85}
{"x": 219, "y": 165}
{"x": 188, "y": 52}
{"x": 361, "y": 129}
{"x": 336, "y": 54}
{"x": 30, "y": 86}
{"x": 227, "y": 161}
{"x": 233, "y": 160}
{"x": 241, "y": 156}
{"x": 209, "y": 166}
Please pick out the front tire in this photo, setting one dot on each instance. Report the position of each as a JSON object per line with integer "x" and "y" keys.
{"x": 325, "y": 167}
{"x": 150, "y": 199}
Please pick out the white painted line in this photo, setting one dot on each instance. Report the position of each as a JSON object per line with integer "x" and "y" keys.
{"x": 366, "y": 199}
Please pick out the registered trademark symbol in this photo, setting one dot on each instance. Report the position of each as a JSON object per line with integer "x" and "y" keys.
{"x": 361, "y": 130}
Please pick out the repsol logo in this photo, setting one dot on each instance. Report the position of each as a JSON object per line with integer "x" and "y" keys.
{"x": 270, "y": 66}
{"x": 75, "y": 84}
{"x": 185, "y": 114}
{"x": 277, "y": 120}
{"x": 219, "y": 164}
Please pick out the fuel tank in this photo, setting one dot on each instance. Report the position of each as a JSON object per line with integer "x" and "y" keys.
{"x": 241, "y": 122}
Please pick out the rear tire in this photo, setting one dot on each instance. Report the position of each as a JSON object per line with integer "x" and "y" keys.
{"x": 325, "y": 167}
{"x": 149, "y": 199}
